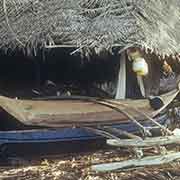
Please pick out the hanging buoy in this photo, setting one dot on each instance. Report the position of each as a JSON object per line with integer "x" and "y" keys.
{"x": 140, "y": 66}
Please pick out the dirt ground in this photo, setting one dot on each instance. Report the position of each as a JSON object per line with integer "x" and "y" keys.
{"x": 78, "y": 167}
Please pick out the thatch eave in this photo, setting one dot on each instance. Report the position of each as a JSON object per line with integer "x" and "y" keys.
{"x": 102, "y": 24}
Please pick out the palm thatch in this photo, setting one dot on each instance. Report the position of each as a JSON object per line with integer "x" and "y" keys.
{"x": 91, "y": 24}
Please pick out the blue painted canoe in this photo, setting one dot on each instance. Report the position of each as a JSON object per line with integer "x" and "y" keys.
{"x": 66, "y": 134}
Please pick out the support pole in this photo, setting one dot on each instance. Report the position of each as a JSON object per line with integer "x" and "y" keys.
{"x": 121, "y": 84}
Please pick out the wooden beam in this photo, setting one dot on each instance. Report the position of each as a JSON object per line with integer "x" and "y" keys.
{"x": 148, "y": 142}
{"x": 133, "y": 163}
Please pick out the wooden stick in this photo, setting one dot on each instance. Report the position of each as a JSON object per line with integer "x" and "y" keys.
{"x": 148, "y": 118}
{"x": 77, "y": 46}
{"x": 146, "y": 161}
{"x": 148, "y": 142}
{"x": 121, "y": 132}
{"x": 101, "y": 132}
{"x": 141, "y": 85}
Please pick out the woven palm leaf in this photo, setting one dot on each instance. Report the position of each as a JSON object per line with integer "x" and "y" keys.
{"x": 94, "y": 24}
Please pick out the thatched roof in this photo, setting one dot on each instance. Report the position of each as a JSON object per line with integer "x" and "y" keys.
{"x": 97, "y": 24}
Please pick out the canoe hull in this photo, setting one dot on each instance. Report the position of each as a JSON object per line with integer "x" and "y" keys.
{"x": 66, "y": 134}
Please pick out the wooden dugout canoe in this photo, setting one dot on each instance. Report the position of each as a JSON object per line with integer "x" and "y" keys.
{"x": 79, "y": 112}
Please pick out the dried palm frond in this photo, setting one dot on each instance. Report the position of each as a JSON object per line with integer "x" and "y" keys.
{"x": 93, "y": 24}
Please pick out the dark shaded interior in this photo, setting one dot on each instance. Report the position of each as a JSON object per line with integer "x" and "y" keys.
{"x": 20, "y": 74}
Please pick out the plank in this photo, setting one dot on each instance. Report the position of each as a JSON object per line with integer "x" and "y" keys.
{"x": 146, "y": 161}
{"x": 148, "y": 142}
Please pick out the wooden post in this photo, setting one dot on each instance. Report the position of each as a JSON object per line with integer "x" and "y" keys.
{"x": 121, "y": 84}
